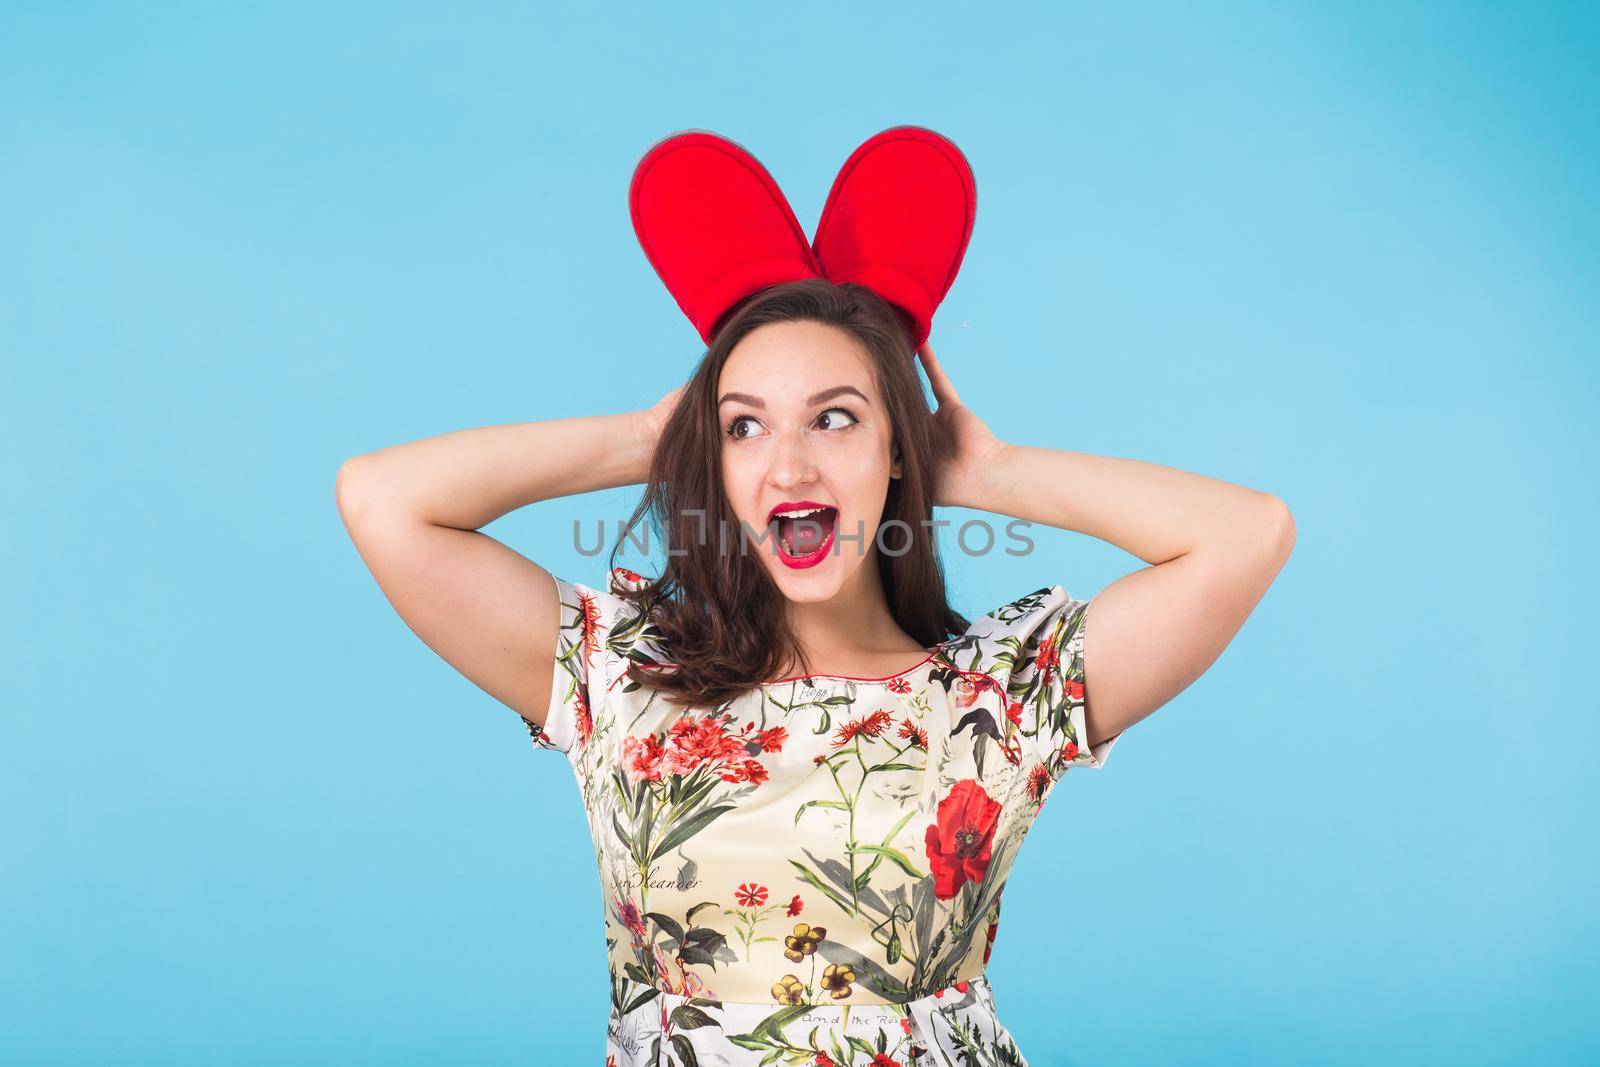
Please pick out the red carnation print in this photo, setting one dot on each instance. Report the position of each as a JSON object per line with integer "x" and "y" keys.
{"x": 750, "y": 895}
{"x": 881, "y": 1060}
{"x": 772, "y": 739}
{"x": 876, "y": 723}
{"x": 1014, "y": 712}
{"x": 589, "y": 621}
{"x": 898, "y": 685}
{"x": 1069, "y": 752}
{"x": 905, "y": 1026}
{"x": 693, "y": 742}
{"x": 1073, "y": 687}
{"x": 1049, "y": 655}
{"x": 824, "y": 1060}
{"x": 795, "y": 905}
{"x": 958, "y": 843}
{"x": 704, "y": 740}
{"x": 961, "y": 986}
{"x": 871, "y": 726}
{"x": 630, "y": 575}
{"x": 1038, "y": 783}
{"x": 641, "y": 759}
{"x": 913, "y": 733}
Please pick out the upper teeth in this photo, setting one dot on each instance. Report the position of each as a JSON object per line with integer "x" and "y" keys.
{"x": 798, "y": 513}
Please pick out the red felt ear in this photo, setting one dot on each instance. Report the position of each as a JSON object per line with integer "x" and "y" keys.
{"x": 714, "y": 225}
{"x": 898, "y": 220}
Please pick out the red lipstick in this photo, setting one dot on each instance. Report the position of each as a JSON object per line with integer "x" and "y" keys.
{"x": 821, "y": 514}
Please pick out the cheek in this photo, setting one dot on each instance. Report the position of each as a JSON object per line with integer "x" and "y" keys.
{"x": 741, "y": 481}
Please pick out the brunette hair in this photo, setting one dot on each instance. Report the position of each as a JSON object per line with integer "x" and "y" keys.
{"x": 717, "y": 613}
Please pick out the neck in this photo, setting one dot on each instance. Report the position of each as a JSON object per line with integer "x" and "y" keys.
{"x": 855, "y": 621}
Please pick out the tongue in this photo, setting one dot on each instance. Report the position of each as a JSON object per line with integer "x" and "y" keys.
{"x": 802, "y": 536}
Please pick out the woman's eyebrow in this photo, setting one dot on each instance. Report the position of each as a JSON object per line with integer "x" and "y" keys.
{"x": 813, "y": 399}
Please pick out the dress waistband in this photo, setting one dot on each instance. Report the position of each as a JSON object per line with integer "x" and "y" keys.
{"x": 929, "y": 1031}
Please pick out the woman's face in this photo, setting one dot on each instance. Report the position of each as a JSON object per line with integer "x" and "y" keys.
{"x": 804, "y": 431}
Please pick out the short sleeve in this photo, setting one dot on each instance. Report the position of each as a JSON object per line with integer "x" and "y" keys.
{"x": 1049, "y": 682}
{"x": 580, "y": 674}
{"x": 597, "y": 631}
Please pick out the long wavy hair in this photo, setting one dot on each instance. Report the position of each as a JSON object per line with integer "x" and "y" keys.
{"x": 718, "y": 615}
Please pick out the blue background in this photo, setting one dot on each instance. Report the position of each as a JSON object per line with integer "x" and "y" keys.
{"x": 1343, "y": 254}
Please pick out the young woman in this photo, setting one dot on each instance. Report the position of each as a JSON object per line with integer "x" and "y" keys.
{"x": 806, "y": 777}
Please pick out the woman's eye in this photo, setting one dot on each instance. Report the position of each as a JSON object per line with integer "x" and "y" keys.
{"x": 828, "y": 420}
{"x": 838, "y": 411}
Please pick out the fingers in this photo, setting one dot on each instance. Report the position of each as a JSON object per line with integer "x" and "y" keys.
{"x": 944, "y": 389}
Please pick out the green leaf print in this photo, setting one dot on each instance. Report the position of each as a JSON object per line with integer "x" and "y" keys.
{"x": 685, "y": 1051}
{"x": 886, "y": 852}
{"x": 769, "y": 1031}
{"x": 689, "y": 915}
{"x": 689, "y": 1017}
{"x": 817, "y": 883}
{"x": 688, "y": 828}
{"x": 667, "y": 924}
{"x": 839, "y": 804}
{"x": 702, "y": 945}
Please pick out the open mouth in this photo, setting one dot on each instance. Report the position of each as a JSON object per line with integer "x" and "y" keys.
{"x": 803, "y": 535}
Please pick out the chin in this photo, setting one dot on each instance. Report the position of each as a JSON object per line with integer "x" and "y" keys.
{"x": 814, "y": 586}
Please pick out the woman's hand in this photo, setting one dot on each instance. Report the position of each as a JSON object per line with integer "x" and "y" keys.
{"x": 970, "y": 442}
{"x": 651, "y": 420}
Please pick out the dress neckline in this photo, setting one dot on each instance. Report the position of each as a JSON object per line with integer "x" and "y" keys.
{"x": 914, "y": 668}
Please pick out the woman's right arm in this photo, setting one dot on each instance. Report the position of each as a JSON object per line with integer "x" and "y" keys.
{"x": 414, "y": 509}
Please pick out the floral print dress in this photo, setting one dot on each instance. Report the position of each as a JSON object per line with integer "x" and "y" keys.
{"x": 811, "y": 873}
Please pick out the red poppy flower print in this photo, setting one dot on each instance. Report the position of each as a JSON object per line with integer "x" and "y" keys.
{"x": 959, "y": 841}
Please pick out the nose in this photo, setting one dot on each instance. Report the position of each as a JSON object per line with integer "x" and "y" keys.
{"x": 791, "y": 462}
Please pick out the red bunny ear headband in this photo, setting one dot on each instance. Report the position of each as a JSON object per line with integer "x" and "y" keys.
{"x": 716, "y": 227}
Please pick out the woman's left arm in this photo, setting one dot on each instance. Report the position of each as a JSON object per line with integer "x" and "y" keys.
{"x": 1214, "y": 548}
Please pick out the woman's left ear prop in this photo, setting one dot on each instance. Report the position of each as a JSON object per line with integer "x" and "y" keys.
{"x": 714, "y": 225}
